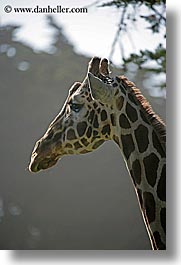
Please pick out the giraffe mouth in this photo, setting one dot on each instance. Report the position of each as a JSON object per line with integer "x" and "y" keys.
{"x": 37, "y": 164}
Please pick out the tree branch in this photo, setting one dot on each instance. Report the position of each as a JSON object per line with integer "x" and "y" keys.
{"x": 158, "y": 13}
{"x": 120, "y": 27}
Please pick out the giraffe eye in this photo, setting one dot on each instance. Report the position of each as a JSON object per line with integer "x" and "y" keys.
{"x": 75, "y": 107}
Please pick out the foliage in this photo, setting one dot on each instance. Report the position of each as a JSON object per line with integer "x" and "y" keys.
{"x": 155, "y": 18}
{"x": 158, "y": 56}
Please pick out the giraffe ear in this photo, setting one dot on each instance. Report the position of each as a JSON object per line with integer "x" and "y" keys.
{"x": 100, "y": 90}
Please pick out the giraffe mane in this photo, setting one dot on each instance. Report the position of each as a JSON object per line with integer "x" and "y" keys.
{"x": 157, "y": 123}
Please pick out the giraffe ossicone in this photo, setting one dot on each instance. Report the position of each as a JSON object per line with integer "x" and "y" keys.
{"x": 102, "y": 108}
{"x": 100, "y": 91}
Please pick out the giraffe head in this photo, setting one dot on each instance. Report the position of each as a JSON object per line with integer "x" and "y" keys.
{"x": 84, "y": 122}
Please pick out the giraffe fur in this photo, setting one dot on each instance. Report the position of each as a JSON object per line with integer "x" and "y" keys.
{"x": 102, "y": 108}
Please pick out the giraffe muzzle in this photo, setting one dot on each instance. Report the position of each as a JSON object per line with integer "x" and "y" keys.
{"x": 37, "y": 164}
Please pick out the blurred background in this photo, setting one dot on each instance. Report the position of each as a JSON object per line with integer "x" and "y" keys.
{"x": 87, "y": 201}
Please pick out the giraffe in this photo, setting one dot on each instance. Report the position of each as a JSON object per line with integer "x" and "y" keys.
{"x": 101, "y": 108}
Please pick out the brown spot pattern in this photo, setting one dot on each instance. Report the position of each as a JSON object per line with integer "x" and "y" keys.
{"x": 141, "y": 135}
{"x": 95, "y": 133}
{"x": 113, "y": 119}
{"x": 106, "y": 129}
{"x": 151, "y": 165}
{"x": 71, "y": 134}
{"x": 139, "y": 192}
{"x": 103, "y": 115}
{"x": 143, "y": 117}
{"x": 77, "y": 145}
{"x": 149, "y": 206}
{"x": 89, "y": 132}
{"x": 157, "y": 144}
{"x": 136, "y": 171}
{"x": 116, "y": 139}
{"x": 95, "y": 105}
{"x": 131, "y": 173}
{"x": 68, "y": 145}
{"x": 117, "y": 92}
{"x": 123, "y": 122}
{"x": 161, "y": 189}
{"x": 81, "y": 128}
{"x": 128, "y": 145}
{"x": 159, "y": 243}
{"x": 84, "y": 141}
{"x": 163, "y": 218}
{"x": 119, "y": 102}
{"x": 96, "y": 124}
{"x": 131, "y": 113}
{"x": 122, "y": 89}
{"x": 118, "y": 79}
{"x": 132, "y": 99}
{"x": 87, "y": 113}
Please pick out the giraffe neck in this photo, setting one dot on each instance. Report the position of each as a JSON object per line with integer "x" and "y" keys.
{"x": 138, "y": 136}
